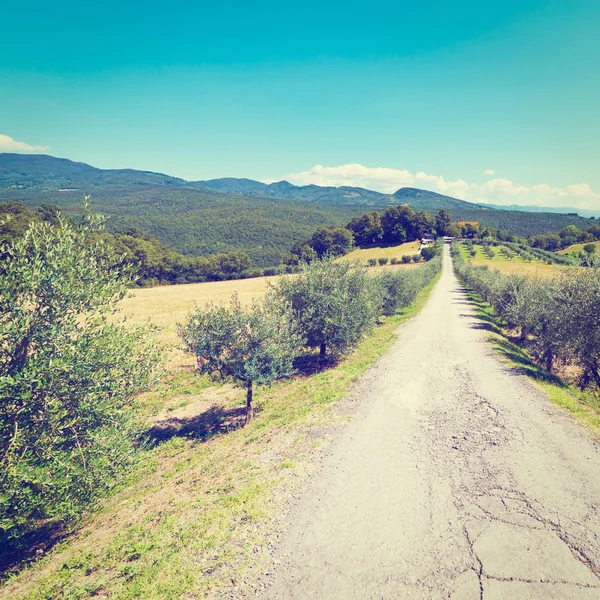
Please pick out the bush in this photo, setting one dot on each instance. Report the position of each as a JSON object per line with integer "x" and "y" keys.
{"x": 430, "y": 251}
{"x": 254, "y": 345}
{"x": 406, "y": 259}
{"x": 372, "y": 262}
{"x": 558, "y": 318}
{"x": 382, "y": 261}
{"x": 394, "y": 261}
{"x": 334, "y": 304}
{"x": 416, "y": 258}
{"x": 400, "y": 288}
{"x": 68, "y": 374}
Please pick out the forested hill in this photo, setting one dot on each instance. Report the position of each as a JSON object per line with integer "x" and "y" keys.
{"x": 264, "y": 220}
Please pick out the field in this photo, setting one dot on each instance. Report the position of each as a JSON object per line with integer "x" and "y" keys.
{"x": 364, "y": 254}
{"x": 167, "y": 305}
{"x": 508, "y": 265}
{"x": 576, "y": 248}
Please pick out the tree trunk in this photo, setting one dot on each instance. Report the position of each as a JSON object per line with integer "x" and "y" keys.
{"x": 523, "y": 334}
{"x": 322, "y": 350}
{"x": 249, "y": 409}
{"x": 549, "y": 361}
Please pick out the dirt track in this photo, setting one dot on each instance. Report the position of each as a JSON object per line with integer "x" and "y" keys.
{"x": 456, "y": 479}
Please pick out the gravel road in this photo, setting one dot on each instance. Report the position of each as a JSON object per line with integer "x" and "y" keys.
{"x": 456, "y": 478}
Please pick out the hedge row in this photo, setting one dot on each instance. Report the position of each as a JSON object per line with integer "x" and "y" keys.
{"x": 328, "y": 305}
{"x": 558, "y": 318}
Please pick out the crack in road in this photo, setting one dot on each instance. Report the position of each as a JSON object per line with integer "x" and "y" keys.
{"x": 454, "y": 479}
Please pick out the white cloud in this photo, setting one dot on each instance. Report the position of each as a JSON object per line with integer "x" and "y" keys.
{"x": 493, "y": 191}
{"x": 382, "y": 179}
{"x": 489, "y": 172}
{"x": 7, "y": 144}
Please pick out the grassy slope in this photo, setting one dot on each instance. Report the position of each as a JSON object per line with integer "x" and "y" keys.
{"x": 200, "y": 223}
{"x": 197, "y": 513}
{"x": 506, "y": 265}
{"x": 577, "y": 248}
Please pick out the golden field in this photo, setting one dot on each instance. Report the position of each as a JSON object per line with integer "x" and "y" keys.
{"x": 364, "y": 254}
{"x": 167, "y": 305}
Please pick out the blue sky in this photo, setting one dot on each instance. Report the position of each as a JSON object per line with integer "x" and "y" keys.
{"x": 382, "y": 94}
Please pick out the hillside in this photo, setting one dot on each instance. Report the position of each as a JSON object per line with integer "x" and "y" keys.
{"x": 221, "y": 215}
{"x": 200, "y": 223}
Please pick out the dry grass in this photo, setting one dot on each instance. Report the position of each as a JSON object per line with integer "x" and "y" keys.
{"x": 197, "y": 516}
{"x": 364, "y": 254}
{"x": 165, "y": 306}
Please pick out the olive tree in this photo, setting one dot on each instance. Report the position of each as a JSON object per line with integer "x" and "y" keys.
{"x": 334, "y": 303}
{"x": 69, "y": 370}
{"x": 254, "y": 345}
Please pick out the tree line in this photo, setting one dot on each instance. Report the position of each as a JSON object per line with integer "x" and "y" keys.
{"x": 557, "y": 318}
{"x": 328, "y": 306}
{"x": 396, "y": 225}
{"x": 567, "y": 236}
{"x": 156, "y": 263}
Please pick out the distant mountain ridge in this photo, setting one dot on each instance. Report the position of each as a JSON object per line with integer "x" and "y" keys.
{"x": 223, "y": 215}
{"x": 47, "y": 173}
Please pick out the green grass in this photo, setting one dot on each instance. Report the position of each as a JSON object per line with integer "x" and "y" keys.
{"x": 584, "y": 405}
{"x": 197, "y": 513}
{"x": 576, "y": 248}
{"x": 512, "y": 264}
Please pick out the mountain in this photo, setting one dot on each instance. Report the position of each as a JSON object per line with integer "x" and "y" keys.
{"x": 39, "y": 171}
{"x": 221, "y": 215}
{"x": 564, "y": 210}
{"x": 288, "y": 191}
{"x": 432, "y": 201}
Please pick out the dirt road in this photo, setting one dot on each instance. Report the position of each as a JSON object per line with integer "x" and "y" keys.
{"x": 456, "y": 479}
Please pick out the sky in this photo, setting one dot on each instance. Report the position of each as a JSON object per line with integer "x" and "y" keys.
{"x": 486, "y": 101}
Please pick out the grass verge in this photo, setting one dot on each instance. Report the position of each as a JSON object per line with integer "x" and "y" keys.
{"x": 199, "y": 513}
{"x": 584, "y": 405}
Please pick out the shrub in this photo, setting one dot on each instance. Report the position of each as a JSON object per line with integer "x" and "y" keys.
{"x": 68, "y": 374}
{"x": 372, "y": 262}
{"x": 430, "y": 251}
{"x": 334, "y": 304}
{"x": 416, "y": 258}
{"x": 254, "y": 345}
{"x": 394, "y": 261}
{"x": 400, "y": 288}
{"x": 383, "y": 261}
{"x": 406, "y": 259}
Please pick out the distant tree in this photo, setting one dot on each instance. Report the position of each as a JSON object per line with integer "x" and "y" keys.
{"x": 443, "y": 220}
{"x": 334, "y": 241}
{"x": 430, "y": 251}
{"x": 254, "y": 345}
{"x": 589, "y": 248}
{"x": 366, "y": 229}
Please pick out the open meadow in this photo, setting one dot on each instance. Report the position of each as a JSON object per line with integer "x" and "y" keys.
{"x": 165, "y": 306}
{"x": 364, "y": 254}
